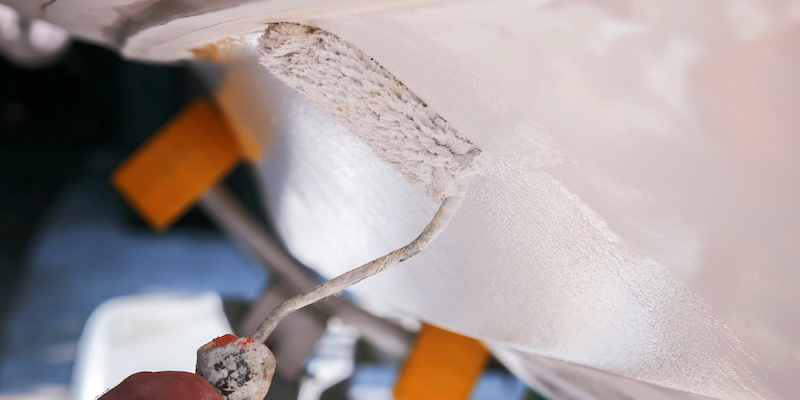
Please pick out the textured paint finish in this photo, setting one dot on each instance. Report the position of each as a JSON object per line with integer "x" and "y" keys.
{"x": 540, "y": 261}
{"x": 641, "y": 189}
{"x": 587, "y": 234}
{"x": 626, "y": 312}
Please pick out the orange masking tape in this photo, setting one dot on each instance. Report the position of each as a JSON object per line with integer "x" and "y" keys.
{"x": 443, "y": 366}
{"x": 240, "y": 95}
{"x": 244, "y": 111}
{"x": 169, "y": 172}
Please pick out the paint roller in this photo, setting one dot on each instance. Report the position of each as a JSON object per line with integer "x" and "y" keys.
{"x": 365, "y": 98}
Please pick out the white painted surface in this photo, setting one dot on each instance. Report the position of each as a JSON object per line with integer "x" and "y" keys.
{"x": 620, "y": 223}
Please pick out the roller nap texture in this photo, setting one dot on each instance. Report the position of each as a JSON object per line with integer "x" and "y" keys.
{"x": 372, "y": 104}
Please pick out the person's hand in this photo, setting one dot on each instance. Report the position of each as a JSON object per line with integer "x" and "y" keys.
{"x": 168, "y": 385}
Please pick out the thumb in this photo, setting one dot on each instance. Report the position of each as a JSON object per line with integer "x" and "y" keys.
{"x": 169, "y": 385}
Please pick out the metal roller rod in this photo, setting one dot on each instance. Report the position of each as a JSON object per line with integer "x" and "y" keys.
{"x": 239, "y": 223}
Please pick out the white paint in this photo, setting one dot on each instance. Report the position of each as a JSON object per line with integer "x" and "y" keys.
{"x": 578, "y": 242}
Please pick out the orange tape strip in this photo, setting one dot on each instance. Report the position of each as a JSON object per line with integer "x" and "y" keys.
{"x": 443, "y": 366}
{"x": 244, "y": 111}
{"x": 167, "y": 174}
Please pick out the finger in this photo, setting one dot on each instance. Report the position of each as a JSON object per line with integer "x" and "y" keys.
{"x": 169, "y": 385}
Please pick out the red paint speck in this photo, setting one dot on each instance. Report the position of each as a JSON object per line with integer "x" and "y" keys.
{"x": 223, "y": 340}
